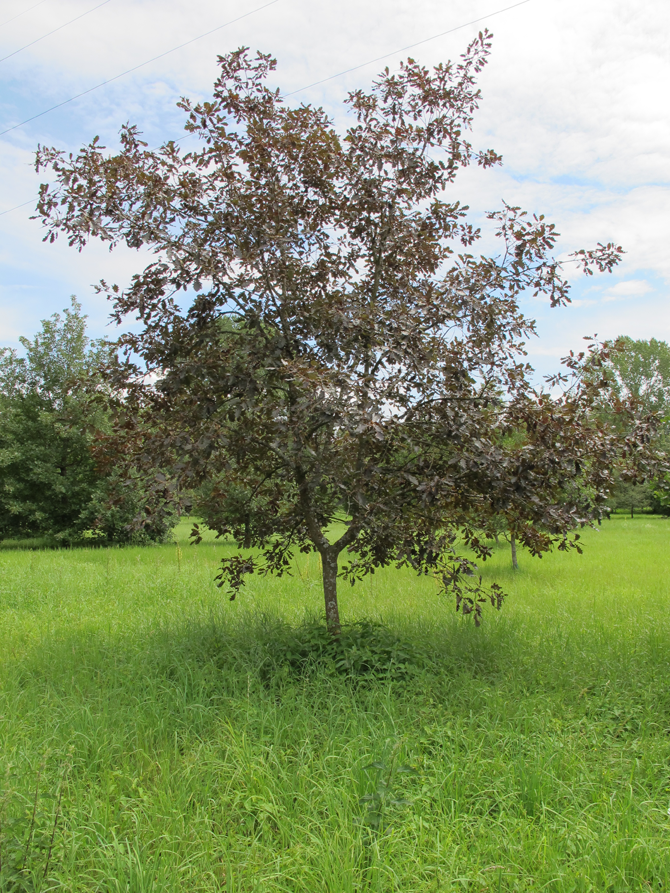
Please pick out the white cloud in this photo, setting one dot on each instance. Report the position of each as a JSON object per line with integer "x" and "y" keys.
{"x": 580, "y": 302}
{"x": 572, "y": 97}
{"x": 623, "y": 291}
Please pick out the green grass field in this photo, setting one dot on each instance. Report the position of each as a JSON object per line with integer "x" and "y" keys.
{"x": 181, "y": 750}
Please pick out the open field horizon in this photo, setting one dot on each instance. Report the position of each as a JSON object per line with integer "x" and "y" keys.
{"x": 190, "y": 753}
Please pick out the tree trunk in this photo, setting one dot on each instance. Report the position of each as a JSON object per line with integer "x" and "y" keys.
{"x": 495, "y": 537}
{"x": 512, "y": 541}
{"x": 632, "y": 507}
{"x": 247, "y": 533}
{"x": 329, "y": 566}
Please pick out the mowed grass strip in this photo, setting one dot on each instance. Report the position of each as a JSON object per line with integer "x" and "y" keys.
{"x": 181, "y": 751}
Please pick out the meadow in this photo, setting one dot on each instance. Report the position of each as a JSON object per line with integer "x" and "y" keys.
{"x": 157, "y": 737}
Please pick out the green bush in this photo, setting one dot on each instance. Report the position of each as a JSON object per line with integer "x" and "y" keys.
{"x": 362, "y": 649}
{"x": 51, "y": 485}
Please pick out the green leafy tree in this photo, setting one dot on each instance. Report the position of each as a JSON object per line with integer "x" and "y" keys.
{"x": 633, "y": 497}
{"x": 640, "y": 370}
{"x": 637, "y": 373}
{"x": 47, "y": 473}
{"x": 355, "y": 408}
{"x": 50, "y": 481}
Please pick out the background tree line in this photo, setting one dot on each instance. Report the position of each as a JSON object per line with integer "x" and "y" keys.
{"x": 58, "y": 481}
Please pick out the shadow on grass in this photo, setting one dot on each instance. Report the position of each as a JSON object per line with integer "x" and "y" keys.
{"x": 184, "y": 677}
{"x": 30, "y": 544}
{"x": 266, "y": 647}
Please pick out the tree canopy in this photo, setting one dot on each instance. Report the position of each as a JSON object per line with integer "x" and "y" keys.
{"x": 369, "y": 395}
{"x": 638, "y": 372}
{"x": 51, "y": 483}
{"x": 47, "y": 473}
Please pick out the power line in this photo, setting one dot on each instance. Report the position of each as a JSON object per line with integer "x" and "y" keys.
{"x": 292, "y": 93}
{"x": 135, "y": 67}
{"x": 16, "y": 207}
{"x": 409, "y": 47}
{"x": 2, "y": 24}
{"x": 59, "y": 28}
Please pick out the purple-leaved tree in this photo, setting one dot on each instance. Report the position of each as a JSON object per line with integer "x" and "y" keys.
{"x": 326, "y": 350}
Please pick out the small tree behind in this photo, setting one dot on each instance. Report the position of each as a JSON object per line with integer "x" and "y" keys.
{"x": 632, "y": 497}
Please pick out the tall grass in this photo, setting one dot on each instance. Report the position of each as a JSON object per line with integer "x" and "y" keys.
{"x": 190, "y": 753}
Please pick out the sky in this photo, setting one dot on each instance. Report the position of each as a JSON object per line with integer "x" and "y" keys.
{"x": 574, "y": 98}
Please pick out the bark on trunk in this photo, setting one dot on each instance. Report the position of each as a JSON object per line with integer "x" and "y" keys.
{"x": 329, "y": 566}
{"x": 512, "y": 541}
